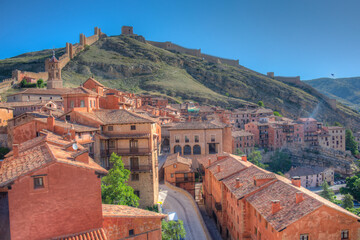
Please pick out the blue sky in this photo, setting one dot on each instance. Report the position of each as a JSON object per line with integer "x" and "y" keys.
{"x": 310, "y": 38}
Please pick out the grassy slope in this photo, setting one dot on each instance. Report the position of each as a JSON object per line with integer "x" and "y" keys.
{"x": 346, "y": 90}
{"x": 128, "y": 64}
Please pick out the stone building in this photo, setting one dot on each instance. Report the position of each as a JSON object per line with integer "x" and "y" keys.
{"x": 248, "y": 202}
{"x": 312, "y": 176}
{"x": 136, "y": 138}
{"x": 49, "y": 182}
{"x": 194, "y": 139}
{"x": 332, "y": 137}
{"x": 54, "y": 70}
{"x": 179, "y": 172}
{"x": 23, "y": 107}
{"x": 311, "y": 130}
{"x": 6, "y": 113}
{"x": 80, "y": 98}
{"x": 243, "y": 141}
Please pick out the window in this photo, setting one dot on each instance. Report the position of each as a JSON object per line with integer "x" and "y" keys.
{"x": 187, "y": 139}
{"x": 177, "y": 139}
{"x": 71, "y": 104}
{"x": 137, "y": 193}
{"x": 304, "y": 236}
{"x": 38, "y": 182}
{"x": 177, "y": 149}
{"x": 134, "y": 177}
{"x": 90, "y": 104}
{"x": 82, "y": 103}
{"x": 110, "y": 128}
{"x": 266, "y": 225}
{"x": 80, "y": 136}
{"x": 133, "y": 127}
{"x": 67, "y": 118}
{"x": 131, "y": 232}
{"x": 172, "y": 175}
{"x": 196, "y": 150}
{"x": 255, "y": 230}
{"x": 344, "y": 234}
{"x": 174, "y": 166}
{"x": 187, "y": 150}
{"x": 213, "y": 138}
{"x": 196, "y": 138}
{"x": 111, "y": 144}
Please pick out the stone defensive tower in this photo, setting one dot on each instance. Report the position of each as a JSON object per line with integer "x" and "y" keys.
{"x": 54, "y": 71}
{"x": 127, "y": 30}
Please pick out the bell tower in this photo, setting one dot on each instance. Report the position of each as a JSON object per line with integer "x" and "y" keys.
{"x": 54, "y": 71}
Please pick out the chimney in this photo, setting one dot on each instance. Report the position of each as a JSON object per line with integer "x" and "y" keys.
{"x": 218, "y": 167}
{"x": 275, "y": 206}
{"x": 51, "y": 123}
{"x": 296, "y": 181}
{"x": 15, "y": 150}
{"x": 299, "y": 197}
{"x": 237, "y": 182}
{"x": 209, "y": 161}
{"x": 244, "y": 158}
{"x": 72, "y": 132}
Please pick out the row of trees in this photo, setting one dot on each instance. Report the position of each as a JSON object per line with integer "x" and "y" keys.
{"x": 115, "y": 190}
{"x": 39, "y": 84}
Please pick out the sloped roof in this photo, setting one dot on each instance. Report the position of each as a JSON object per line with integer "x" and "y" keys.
{"x": 39, "y": 152}
{"x": 126, "y": 211}
{"x": 95, "y": 81}
{"x": 228, "y": 166}
{"x": 94, "y": 234}
{"x": 176, "y": 158}
{"x": 195, "y": 125}
{"x": 66, "y": 125}
{"x": 117, "y": 116}
{"x": 305, "y": 171}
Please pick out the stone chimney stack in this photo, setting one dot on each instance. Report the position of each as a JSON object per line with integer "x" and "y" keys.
{"x": 218, "y": 168}
{"x": 237, "y": 182}
{"x": 209, "y": 160}
{"x": 51, "y": 123}
{"x": 244, "y": 158}
{"x": 275, "y": 206}
{"x": 296, "y": 181}
{"x": 299, "y": 197}
{"x": 15, "y": 150}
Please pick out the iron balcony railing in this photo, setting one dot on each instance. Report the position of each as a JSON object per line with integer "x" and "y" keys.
{"x": 125, "y": 151}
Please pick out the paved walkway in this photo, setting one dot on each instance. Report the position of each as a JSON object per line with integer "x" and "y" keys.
{"x": 174, "y": 201}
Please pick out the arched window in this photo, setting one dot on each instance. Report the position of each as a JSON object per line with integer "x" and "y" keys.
{"x": 196, "y": 150}
{"x": 187, "y": 150}
{"x": 177, "y": 149}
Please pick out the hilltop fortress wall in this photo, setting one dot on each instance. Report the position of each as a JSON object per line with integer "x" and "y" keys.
{"x": 71, "y": 50}
{"x": 194, "y": 52}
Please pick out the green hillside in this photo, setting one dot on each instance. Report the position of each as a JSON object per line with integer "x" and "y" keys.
{"x": 346, "y": 90}
{"x": 126, "y": 63}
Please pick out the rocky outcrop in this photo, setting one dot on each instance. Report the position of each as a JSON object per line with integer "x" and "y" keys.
{"x": 342, "y": 162}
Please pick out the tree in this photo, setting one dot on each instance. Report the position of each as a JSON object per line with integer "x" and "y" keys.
{"x": 350, "y": 142}
{"x": 255, "y": 158}
{"x": 3, "y": 152}
{"x": 348, "y": 201}
{"x": 352, "y": 187}
{"x": 239, "y": 152}
{"x": 338, "y": 124}
{"x": 173, "y": 230}
{"x": 261, "y": 104}
{"x": 327, "y": 192}
{"x": 114, "y": 187}
{"x": 276, "y": 113}
{"x": 40, "y": 83}
{"x": 280, "y": 162}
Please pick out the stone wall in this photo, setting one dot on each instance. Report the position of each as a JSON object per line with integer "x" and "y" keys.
{"x": 214, "y": 59}
{"x": 342, "y": 162}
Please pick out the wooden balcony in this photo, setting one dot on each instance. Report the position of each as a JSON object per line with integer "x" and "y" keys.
{"x": 125, "y": 151}
{"x": 140, "y": 168}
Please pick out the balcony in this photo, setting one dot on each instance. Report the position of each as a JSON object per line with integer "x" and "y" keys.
{"x": 140, "y": 168}
{"x": 183, "y": 179}
{"x": 125, "y": 151}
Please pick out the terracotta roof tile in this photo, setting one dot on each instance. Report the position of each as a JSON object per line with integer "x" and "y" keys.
{"x": 95, "y": 234}
{"x": 228, "y": 166}
{"x": 126, "y": 211}
{"x": 77, "y": 127}
{"x": 195, "y": 125}
{"x": 38, "y": 152}
{"x": 95, "y": 81}
{"x": 118, "y": 116}
{"x": 175, "y": 158}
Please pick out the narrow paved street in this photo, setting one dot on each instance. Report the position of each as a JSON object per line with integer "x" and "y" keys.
{"x": 174, "y": 201}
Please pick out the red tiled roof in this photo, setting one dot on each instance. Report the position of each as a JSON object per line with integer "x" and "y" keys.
{"x": 38, "y": 152}
{"x": 95, "y": 81}
{"x": 176, "y": 158}
{"x": 195, "y": 125}
{"x": 53, "y": 59}
{"x": 97, "y": 234}
{"x": 228, "y": 166}
{"x": 126, "y": 211}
